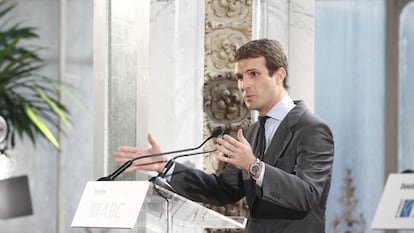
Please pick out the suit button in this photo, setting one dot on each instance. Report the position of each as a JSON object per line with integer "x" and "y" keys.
{"x": 275, "y": 194}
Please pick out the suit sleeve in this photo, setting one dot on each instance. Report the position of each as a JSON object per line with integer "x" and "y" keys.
{"x": 307, "y": 183}
{"x": 213, "y": 189}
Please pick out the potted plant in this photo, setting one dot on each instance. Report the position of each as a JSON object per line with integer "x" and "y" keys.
{"x": 29, "y": 102}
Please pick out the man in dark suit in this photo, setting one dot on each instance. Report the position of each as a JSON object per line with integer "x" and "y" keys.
{"x": 282, "y": 165}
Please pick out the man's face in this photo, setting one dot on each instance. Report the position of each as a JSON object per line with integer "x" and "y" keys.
{"x": 260, "y": 91}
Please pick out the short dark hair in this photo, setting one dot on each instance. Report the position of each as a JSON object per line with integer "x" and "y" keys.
{"x": 271, "y": 50}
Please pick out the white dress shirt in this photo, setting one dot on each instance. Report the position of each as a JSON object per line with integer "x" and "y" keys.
{"x": 276, "y": 114}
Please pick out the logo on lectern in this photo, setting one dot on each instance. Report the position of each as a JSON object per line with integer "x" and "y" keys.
{"x": 405, "y": 209}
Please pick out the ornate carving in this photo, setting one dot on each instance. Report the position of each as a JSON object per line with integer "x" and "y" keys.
{"x": 238, "y": 209}
{"x": 221, "y": 45}
{"x": 348, "y": 221}
{"x": 227, "y": 27}
{"x": 228, "y": 14}
{"x": 223, "y": 103}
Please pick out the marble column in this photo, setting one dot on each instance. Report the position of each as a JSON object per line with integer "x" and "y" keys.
{"x": 121, "y": 35}
{"x": 148, "y": 77}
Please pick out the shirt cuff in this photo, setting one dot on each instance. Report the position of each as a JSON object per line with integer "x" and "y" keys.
{"x": 259, "y": 181}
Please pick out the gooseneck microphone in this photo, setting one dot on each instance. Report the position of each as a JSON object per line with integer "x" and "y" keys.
{"x": 127, "y": 164}
{"x": 160, "y": 179}
{"x": 171, "y": 161}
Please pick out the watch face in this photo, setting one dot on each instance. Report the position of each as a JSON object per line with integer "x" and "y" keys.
{"x": 254, "y": 169}
{"x": 3, "y": 129}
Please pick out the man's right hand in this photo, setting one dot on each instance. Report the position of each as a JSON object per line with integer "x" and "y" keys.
{"x": 125, "y": 153}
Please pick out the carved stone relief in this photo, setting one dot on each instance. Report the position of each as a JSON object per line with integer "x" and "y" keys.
{"x": 223, "y": 103}
{"x": 228, "y": 25}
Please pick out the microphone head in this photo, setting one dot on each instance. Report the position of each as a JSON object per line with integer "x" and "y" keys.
{"x": 106, "y": 178}
{"x": 216, "y": 132}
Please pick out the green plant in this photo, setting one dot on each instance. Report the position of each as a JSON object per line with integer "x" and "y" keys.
{"x": 29, "y": 102}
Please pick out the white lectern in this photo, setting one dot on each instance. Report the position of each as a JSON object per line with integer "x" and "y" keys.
{"x": 396, "y": 207}
{"x": 141, "y": 206}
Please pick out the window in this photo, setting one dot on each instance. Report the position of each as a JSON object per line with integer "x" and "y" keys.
{"x": 349, "y": 95}
{"x": 406, "y": 86}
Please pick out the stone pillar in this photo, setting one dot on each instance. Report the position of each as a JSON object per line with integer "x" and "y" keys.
{"x": 176, "y": 75}
{"x": 147, "y": 81}
{"x": 227, "y": 26}
{"x": 121, "y": 34}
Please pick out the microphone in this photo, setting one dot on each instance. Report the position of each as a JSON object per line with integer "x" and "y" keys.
{"x": 160, "y": 179}
{"x": 171, "y": 161}
{"x": 127, "y": 164}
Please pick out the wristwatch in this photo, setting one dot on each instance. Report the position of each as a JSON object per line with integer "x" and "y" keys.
{"x": 254, "y": 169}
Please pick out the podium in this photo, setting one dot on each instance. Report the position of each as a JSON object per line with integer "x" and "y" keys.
{"x": 141, "y": 206}
{"x": 396, "y": 207}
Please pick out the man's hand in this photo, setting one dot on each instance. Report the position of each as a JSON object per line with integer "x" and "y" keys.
{"x": 125, "y": 153}
{"x": 236, "y": 152}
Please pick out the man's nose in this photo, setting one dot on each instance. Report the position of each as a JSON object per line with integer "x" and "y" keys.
{"x": 243, "y": 85}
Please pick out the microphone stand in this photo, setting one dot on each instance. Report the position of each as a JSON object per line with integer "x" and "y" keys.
{"x": 170, "y": 162}
{"x": 127, "y": 164}
{"x": 160, "y": 181}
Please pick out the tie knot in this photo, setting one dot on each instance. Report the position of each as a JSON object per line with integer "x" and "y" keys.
{"x": 262, "y": 120}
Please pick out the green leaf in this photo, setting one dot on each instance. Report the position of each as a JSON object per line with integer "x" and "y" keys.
{"x": 55, "y": 108}
{"x": 28, "y": 100}
{"x": 67, "y": 93}
{"x": 40, "y": 125}
{"x": 5, "y": 11}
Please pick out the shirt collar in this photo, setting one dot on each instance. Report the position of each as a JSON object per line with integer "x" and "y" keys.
{"x": 282, "y": 108}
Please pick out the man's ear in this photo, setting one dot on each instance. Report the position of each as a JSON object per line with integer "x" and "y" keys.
{"x": 280, "y": 74}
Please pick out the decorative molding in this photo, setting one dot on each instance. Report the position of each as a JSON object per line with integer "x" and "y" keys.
{"x": 223, "y": 103}
{"x": 238, "y": 209}
{"x": 228, "y": 14}
{"x": 220, "y": 47}
{"x": 228, "y": 25}
{"x": 348, "y": 221}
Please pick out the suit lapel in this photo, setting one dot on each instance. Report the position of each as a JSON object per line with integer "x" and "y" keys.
{"x": 280, "y": 141}
{"x": 283, "y": 134}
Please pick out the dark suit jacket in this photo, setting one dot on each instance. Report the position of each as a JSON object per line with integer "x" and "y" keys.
{"x": 296, "y": 182}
